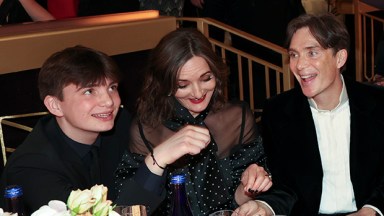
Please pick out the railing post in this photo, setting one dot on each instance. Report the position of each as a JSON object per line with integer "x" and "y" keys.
{"x": 2, "y": 142}
{"x": 288, "y": 79}
{"x": 202, "y": 26}
{"x": 358, "y": 41}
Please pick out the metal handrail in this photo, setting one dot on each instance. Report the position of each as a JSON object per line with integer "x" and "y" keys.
{"x": 365, "y": 26}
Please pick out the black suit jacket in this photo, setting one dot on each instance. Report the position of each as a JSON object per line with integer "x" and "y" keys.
{"x": 292, "y": 149}
{"x": 48, "y": 168}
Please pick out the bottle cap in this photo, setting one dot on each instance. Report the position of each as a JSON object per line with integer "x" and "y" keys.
{"x": 178, "y": 179}
{"x": 13, "y": 191}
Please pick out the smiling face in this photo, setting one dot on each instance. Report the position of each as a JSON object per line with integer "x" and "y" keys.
{"x": 196, "y": 85}
{"x": 84, "y": 112}
{"x": 316, "y": 69}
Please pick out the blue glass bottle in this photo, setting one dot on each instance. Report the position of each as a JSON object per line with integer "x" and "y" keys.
{"x": 180, "y": 204}
{"x": 14, "y": 200}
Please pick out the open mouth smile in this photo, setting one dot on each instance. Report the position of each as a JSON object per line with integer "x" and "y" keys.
{"x": 104, "y": 116}
{"x": 198, "y": 100}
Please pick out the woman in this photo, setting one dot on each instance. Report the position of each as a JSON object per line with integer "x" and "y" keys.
{"x": 185, "y": 125}
{"x": 165, "y": 8}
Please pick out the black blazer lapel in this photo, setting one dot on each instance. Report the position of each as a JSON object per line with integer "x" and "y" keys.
{"x": 365, "y": 141}
{"x": 309, "y": 173}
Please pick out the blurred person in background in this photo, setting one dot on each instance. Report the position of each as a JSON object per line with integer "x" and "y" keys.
{"x": 165, "y": 8}
{"x": 19, "y": 11}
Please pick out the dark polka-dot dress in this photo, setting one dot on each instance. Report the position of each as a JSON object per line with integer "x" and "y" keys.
{"x": 210, "y": 182}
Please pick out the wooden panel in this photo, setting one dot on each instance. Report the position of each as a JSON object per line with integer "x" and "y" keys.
{"x": 26, "y": 46}
{"x": 345, "y": 6}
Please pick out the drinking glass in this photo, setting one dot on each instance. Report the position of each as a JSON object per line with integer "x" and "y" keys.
{"x": 222, "y": 213}
{"x": 133, "y": 210}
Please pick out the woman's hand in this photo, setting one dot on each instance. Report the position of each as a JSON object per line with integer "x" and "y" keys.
{"x": 254, "y": 180}
{"x": 189, "y": 140}
{"x": 252, "y": 208}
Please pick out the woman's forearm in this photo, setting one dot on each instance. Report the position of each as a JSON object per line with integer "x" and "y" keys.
{"x": 36, "y": 11}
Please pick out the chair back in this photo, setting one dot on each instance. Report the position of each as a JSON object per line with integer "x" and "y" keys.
{"x": 20, "y": 124}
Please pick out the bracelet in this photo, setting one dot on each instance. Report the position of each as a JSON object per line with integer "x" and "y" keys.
{"x": 155, "y": 162}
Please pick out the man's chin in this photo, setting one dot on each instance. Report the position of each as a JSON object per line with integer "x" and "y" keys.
{"x": 105, "y": 129}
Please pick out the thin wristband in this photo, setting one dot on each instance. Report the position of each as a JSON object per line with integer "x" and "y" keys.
{"x": 155, "y": 162}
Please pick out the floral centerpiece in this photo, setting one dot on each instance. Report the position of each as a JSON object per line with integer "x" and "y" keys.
{"x": 87, "y": 202}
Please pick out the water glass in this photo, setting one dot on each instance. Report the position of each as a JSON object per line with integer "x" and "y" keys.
{"x": 133, "y": 210}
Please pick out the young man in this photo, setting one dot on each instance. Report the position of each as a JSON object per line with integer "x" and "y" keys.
{"x": 325, "y": 139}
{"x": 82, "y": 141}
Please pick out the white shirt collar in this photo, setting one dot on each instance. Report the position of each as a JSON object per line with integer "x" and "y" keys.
{"x": 343, "y": 98}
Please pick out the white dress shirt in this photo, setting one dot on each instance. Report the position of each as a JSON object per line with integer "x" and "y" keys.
{"x": 333, "y": 136}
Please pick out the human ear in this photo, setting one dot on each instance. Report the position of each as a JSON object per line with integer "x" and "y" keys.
{"x": 341, "y": 56}
{"x": 53, "y": 105}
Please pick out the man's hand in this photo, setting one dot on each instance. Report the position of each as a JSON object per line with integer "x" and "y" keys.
{"x": 365, "y": 211}
{"x": 253, "y": 208}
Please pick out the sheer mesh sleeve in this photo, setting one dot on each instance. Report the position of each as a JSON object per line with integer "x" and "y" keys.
{"x": 239, "y": 142}
{"x": 245, "y": 155}
{"x": 250, "y": 148}
{"x": 131, "y": 159}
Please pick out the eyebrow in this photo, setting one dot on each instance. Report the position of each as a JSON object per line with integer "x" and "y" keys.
{"x": 208, "y": 72}
{"x": 91, "y": 85}
{"x": 306, "y": 48}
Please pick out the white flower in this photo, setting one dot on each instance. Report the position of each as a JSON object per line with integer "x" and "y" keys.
{"x": 80, "y": 201}
{"x": 102, "y": 208}
{"x": 54, "y": 208}
{"x": 2, "y": 213}
{"x": 91, "y": 202}
{"x": 99, "y": 193}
